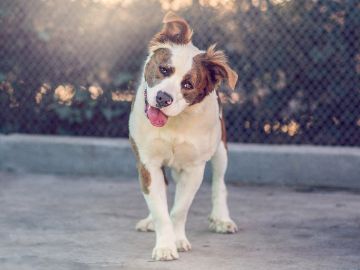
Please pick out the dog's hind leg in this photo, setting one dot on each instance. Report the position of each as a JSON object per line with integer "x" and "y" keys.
{"x": 220, "y": 220}
{"x": 145, "y": 225}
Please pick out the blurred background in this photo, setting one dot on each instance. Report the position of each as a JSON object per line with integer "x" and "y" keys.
{"x": 71, "y": 67}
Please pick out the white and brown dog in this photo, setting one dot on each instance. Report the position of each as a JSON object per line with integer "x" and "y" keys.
{"x": 176, "y": 122}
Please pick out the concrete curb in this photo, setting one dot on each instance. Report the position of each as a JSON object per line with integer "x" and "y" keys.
{"x": 258, "y": 164}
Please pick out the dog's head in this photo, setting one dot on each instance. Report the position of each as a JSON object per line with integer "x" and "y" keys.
{"x": 178, "y": 74}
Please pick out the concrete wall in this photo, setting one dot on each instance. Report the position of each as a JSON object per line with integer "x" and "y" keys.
{"x": 259, "y": 164}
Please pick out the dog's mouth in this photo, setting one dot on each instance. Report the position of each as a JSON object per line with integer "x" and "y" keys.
{"x": 156, "y": 117}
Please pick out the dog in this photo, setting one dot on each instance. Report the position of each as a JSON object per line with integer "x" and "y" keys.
{"x": 176, "y": 121}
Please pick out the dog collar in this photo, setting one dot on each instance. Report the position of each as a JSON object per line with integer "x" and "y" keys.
{"x": 146, "y": 101}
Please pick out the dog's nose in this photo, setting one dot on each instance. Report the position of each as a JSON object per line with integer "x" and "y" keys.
{"x": 163, "y": 99}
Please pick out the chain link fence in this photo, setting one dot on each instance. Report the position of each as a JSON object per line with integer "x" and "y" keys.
{"x": 71, "y": 66}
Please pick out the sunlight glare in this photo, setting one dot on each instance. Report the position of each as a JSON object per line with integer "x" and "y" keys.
{"x": 175, "y": 4}
{"x": 113, "y": 2}
{"x": 226, "y": 4}
{"x": 280, "y": 2}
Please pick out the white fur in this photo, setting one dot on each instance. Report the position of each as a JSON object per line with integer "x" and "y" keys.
{"x": 190, "y": 138}
{"x": 182, "y": 60}
{"x": 220, "y": 220}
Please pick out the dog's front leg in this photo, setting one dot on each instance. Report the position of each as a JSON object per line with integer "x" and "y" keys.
{"x": 188, "y": 181}
{"x": 155, "y": 196}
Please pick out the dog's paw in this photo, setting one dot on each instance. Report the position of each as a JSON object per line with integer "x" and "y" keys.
{"x": 222, "y": 226}
{"x": 183, "y": 245}
{"x": 165, "y": 253}
{"x": 145, "y": 225}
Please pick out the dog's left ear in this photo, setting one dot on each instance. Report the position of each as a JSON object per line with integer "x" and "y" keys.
{"x": 175, "y": 30}
{"x": 218, "y": 67}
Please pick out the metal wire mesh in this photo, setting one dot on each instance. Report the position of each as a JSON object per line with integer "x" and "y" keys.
{"x": 70, "y": 67}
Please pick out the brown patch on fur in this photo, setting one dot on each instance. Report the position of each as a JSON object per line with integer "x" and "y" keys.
{"x": 145, "y": 178}
{"x": 208, "y": 71}
{"x": 198, "y": 76}
{"x": 223, "y": 132}
{"x": 144, "y": 175}
{"x": 175, "y": 30}
{"x": 134, "y": 148}
{"x": 161, "y": 56}
{"x": 220, "y": 67}
{"x": 222, "y": 122}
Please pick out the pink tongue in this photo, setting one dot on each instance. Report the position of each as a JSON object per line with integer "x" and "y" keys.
{"x": 156, "y": 117}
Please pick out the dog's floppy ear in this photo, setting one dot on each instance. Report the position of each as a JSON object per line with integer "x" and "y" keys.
{"x": 218, "y": 67}
{"x": 175, "y": 30}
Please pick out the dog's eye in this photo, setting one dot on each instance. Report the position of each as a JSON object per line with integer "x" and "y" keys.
{"x": 164, "y": 71}
{"x": 187, "y": 85}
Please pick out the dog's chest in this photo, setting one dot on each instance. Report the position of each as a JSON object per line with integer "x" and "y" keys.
{"x": 186, "y": 140}
{"x": 185, "y": 154}
{"x": 188, "y": 152}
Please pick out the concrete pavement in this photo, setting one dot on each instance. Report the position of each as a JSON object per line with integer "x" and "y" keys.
{"x": 64, "y": 222}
